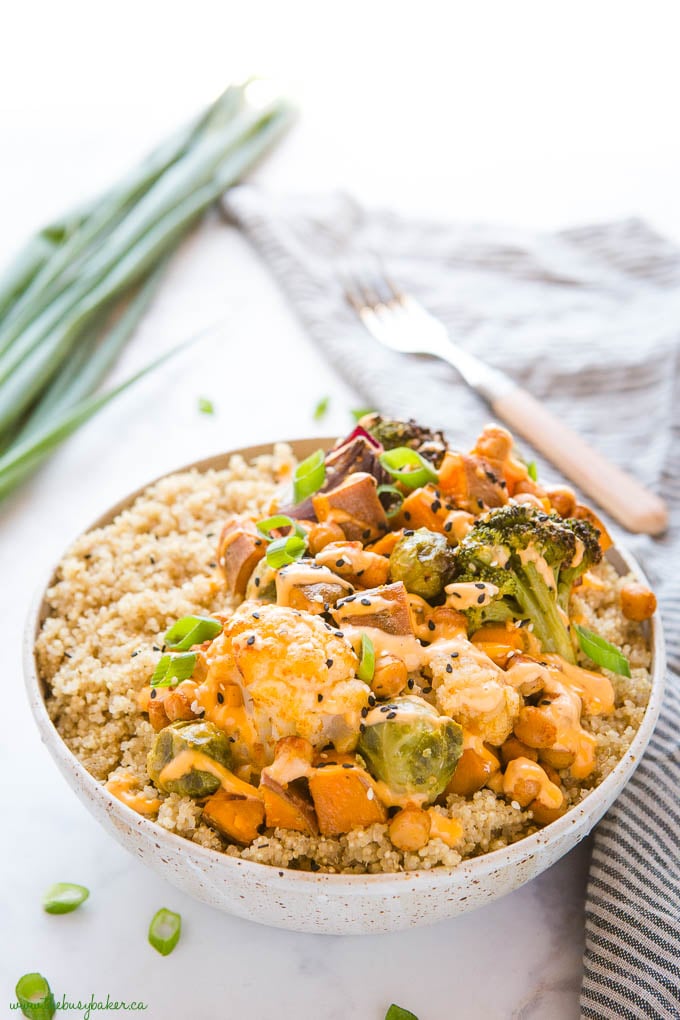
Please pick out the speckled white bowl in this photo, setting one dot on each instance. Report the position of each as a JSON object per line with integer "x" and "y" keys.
{"x": 333, "y": 904}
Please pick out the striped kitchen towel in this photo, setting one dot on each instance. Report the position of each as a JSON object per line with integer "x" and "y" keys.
{"x": 589, "y": 321}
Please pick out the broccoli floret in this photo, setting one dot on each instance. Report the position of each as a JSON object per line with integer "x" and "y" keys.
{"x": 533, "y": 559}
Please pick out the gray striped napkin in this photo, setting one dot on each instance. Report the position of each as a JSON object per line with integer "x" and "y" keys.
{"x": 589, "y": 321}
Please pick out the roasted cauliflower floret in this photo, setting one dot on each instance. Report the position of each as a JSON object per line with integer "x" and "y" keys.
{"x": 296, "y": 676}
{"x": 471, "y": 689}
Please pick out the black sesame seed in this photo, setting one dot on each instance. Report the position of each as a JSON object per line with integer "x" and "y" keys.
{"x": 454, "y": 655}
{"x": 481, "y": 599}
{"x": 456, "y": 594}
{"x": 163, "y": 648}
{"x": 347, "y": 765}
{"x": 154, "y": 692}
{"x": 409, "y": 531}
{"x": 326, "y": 606}
{"x": 448, "y": 526}
{"x": 435, "y": 507}
{"x": 256, "y": 616}
{"x": 371, "y": 700}
{"x": 220, "y": 698}
{"x": 407, "y": 515}
{"x": 68, "y": 655}
{"x": 151, "y": 559}
{"x": 480, "y": 503}
{"x": 410, "y": 684}
{"x": 257, "y": 582}
{"x": 319, "y": 697}
{"x": 258, "y": 541}
{"x": 213, "y": 565}
{"x": 251, "y": 640}
{"x": 366, "y": 534}
{"x": 430, "y": 625}
{"x": 391, "y": 715}
{"x": 365, "y": 602}
{"x": 155, "y": 648}
{"x": 384, "y": 708}
{"x": 362, "y": 728}
{"x": 427, "y": 690}
{"x": 329, "y": 663}
{"x": 313, "y": 866}
{"x": 87, "y": 556}
{"x": 135, "y": 653}
{"x": 364, "y": 712}
{"x": 480, "y": 584}
{"x": 232, "y": 740}
{"x": 210, "y": 534}
{"x": 449, "y": 667}
{"x": 340, "y": 563}
{"x": 360, "y": 572}
{"x": 339, "y": 633}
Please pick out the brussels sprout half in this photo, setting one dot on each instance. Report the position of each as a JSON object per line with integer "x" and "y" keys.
{"x": 411, "y": 748}
{"x": 423, "y": 560}
{"x": 192, "y": 735}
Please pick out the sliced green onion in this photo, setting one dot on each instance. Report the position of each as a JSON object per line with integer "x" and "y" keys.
{"x": 532, "y": 470}
{"x": 283, "y": 551}
{"x": 321, "y": 408}
{"x": 172, "y": 669}
{"x": 399, "y": 1013}
{"x": 190, "y": 631}
{"x": 34, "y": 995}
{"x": 206, "y": 406}
{"x": 309, "y": 476}
{"x": 394, "y": 504}
{"x": 602, "y": 652}
{"x": 361, "y": 412}
{"x": 64, "y": 897}
{"x": 367, "y": 662}
{"x": 165, "y": 930}
{"x": 277, "y": 522}
{"x": 408, "y": 467}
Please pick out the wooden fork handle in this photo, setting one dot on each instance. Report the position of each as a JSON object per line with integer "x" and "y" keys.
{"x": 618, "y": 493}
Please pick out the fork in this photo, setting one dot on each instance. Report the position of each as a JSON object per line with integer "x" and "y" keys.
{"x": 398, "y": 321}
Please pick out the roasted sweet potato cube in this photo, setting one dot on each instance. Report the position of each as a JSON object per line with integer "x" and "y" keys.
{"x": 286, "y": 807}
{"x": 240, "y": 549}
{"x": 391, "y": 612}
{"x": 344, "y": 799}
{"x": 423, "y": 508}
{"x": 471, "y": 482}
{"x": 355, "y": 506}
{"x": 237, "y": 818}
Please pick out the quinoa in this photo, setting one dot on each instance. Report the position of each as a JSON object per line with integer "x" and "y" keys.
{"x": 121, "y": 586}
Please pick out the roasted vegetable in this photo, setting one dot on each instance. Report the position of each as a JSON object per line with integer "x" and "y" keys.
{"x": 423, "y": 561}
{"x": 392, "y": 433}
{"x": 237, "y": 818}
{"x": 194, "y": 736}
{"x": 344, "y": 798}
{"x": 411, "y": 748}
{"x": 240, "y": 549}
{"x": 533, "y": 559}
{"x": 385, "y": 608}
{"x": 355, "y": 506}
{"x": 262, "y": 583}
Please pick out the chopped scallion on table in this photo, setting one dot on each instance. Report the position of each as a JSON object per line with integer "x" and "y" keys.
{"x": 309, "y": 476}
{"x": 602, "y": 652}
{"x": 321, "y": 408}
{"x": 165, "y": 930}
{"x": 399, "y": 1013}
{"x": 64, "y": 897}
{"x": 408, "y": 467}
{"x": 190, "y": 631}
{"x": 367, "y": 664}
{"x": 206, "y": 406}
{"x": 172, "y": 669}
{"x": 34, "y": 995}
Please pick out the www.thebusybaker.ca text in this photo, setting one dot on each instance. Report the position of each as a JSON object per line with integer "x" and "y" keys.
{"x": 89, "y": 1006}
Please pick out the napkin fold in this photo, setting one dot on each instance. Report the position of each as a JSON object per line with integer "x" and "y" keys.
{"x": 588, "y": 320}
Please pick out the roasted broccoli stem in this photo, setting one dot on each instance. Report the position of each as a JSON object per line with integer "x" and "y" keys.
{"x": 533, "y": 558}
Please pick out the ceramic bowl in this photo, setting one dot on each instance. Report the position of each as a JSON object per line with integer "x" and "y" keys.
{"x": 322, "y": 903}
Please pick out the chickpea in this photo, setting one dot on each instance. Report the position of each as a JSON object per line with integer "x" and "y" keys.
{"x": 544, "y": 815}
{"x": 460, "y": 522}
{"x": 410, "y": 829}
{"x": 322, "y": 534}
{"x": 637, "y": 602}
{"x": 562, "y": 500}
{"x": 534, "y": 728}
{"x": 494, "y": 443}
{"x": 556, "y": 757}
{"x": 514, "y": 748}
{"x": 390, "y": 676}
{"x": 529, "y": 499}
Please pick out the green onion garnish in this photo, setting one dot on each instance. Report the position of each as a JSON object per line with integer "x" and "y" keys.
{"x": 396, "y": 499}
{"x": 190, "y": 631}
{"x": 165, "y": 930}
{"x": 361, "y": 412}
{"x": 64, "y": 897}
{"x": 172, "y": 669}
{"x": 532, "y": 470}
{"x": 408, "y": 467}
{"x": 309, "y": 476}
{"x": 277, "y": 522}
{"x": 601, "y": 652}
{"x": 399, "y": 1013}
{"x": 206, "y": 406}
{"x": 283, "y": 551}
{"x": 367, "y": 662}
{"x": 321, "y": 408}
{"x": 34, "y": 995}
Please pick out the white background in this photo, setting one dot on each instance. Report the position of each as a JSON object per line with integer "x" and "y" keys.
{"x": 537, "y": 114}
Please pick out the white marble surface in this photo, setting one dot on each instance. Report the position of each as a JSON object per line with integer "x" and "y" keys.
{"x": 466, "y": 126}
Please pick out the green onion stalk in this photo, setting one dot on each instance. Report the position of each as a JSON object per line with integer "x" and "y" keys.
{"x": 74, "y": 295}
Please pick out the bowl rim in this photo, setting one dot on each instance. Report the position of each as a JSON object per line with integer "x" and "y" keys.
{"x": 480, "y": 866}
